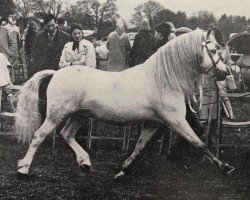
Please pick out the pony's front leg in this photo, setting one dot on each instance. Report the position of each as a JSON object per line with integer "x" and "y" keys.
{"x": 39, "y": 136}
{"x": 68, "y": 133}
{"x": 181, "y": 126}
{"x": 147, "y": 133}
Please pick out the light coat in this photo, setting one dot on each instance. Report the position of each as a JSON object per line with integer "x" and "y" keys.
{"x": 119, "y": 48}
{"x": 85, "y": 54}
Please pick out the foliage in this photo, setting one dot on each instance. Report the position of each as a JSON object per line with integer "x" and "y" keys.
{"x": 146, "y": 10}
{"x": 202, "y": 19}
{"x": 96, "y": 12}
{"x": 26, "y": 7}
{"x": 232, "y": 24}
{"x": 7, "y": 7}
{"x": 179, "y": 19}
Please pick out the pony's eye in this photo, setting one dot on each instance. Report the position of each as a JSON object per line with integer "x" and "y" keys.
{"x": 213, "y": 51}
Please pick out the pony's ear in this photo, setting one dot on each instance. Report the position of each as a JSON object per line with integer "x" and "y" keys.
{"x": 210, "y": 32}
{"x": 216, "y": 33}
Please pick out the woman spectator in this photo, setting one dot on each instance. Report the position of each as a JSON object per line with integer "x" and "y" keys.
{"x": 79, "y": 51}
{"x": 144, "y": 45}
{"x": 119, "y": 48}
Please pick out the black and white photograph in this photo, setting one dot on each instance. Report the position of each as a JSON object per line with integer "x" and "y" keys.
{"x": 124, "y": 100}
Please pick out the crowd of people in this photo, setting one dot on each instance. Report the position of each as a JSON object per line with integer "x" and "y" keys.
{"x": 52, "y": 48}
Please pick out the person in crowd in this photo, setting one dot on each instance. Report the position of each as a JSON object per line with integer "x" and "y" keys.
{"x": 15, "y": 33}
{"x": 79, "y": 51}
{"x": 172, "y": 31}
{"x": 119, "y": 48}
{"x": 181, "y": 146}
{"x": 28, "y": 41}
{"x": 5, "y": 104}
{"x": 6, "y": 42}
{"x": 48, "y": 46}
{"x": 162, "y": 33}
{"x": 211, "y": 86}
{"x": 144, "y": 45}
{"x": 4, "y": 72}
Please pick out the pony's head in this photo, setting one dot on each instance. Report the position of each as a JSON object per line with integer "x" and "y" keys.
{"x": 212, "y": 59}
{"x": 181, "y": 62}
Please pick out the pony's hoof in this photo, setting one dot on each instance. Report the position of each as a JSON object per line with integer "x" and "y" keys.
{"x": 86, "y": 169}
{"x": 120, "y": 175}
{"x": 24, "y": 177}
{"x": 227, "y": 169}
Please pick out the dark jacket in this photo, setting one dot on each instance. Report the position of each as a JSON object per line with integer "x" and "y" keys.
{"x": 160, "y": 43}
{"x": 143, "y": 47}
{"x": 46, "y": 53}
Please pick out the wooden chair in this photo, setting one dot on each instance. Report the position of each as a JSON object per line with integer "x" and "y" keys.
{"x": 4, "y": 116}
{"x": 92, "y": 130}
{"x": 223, "y": 123}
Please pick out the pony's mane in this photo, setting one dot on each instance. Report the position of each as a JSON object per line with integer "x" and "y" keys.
{"x": 178, "y": 62}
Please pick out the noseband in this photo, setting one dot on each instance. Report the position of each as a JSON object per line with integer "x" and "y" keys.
{"x": 214, "y": 64}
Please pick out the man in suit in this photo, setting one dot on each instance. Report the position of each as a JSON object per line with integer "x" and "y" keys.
{"x": 48, "y": 46}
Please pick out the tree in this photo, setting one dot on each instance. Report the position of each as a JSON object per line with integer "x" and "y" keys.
{"x": 24, "y": 7}
{"x": 7, "y": 7}
{"x": 179, "y": 19}
{"x": 146, "y": 10}
{"x": 232, "y": 24}
{"x": 98, "y": 12}
{"x": 202, "y": 19}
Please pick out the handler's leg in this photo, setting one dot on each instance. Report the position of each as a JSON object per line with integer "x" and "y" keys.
{"x": 181, "y": 126}
{"x": 146, "y": 134}
{"x": 47, "y": 128}
{"x": 68, "y": 133}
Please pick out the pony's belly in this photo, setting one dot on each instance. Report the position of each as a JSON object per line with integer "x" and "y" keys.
{"x": 121, "y": 113}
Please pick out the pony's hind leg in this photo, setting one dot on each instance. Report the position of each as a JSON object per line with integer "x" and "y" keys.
{"x": 47, "y": 128}
{"x": 146, "y": 134}
{"x": 182, "y": 127}
{"x": 68, "y": 133}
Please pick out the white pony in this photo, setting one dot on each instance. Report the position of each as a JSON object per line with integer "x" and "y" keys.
{"x": 154, "y": 91}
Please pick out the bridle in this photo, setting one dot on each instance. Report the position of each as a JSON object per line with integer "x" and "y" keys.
{"x": 214, "y": 63}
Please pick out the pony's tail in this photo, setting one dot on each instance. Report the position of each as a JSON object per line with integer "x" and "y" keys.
{"x": 28, "y": 118}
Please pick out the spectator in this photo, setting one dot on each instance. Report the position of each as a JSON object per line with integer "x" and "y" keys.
{"x": 4, "y": 73}
{"x": 15, "y": 33}
{"x": 4, "y": 81}
{"x": 181, "y": 146}
{"x": 119, "y": 48}
{"x": 144, "y": 45}
{"x": 79, "y": 51}
{"x": 172, "y": 31}
{"x": 48, "y": 46}
{"x": 6, "y": 42}
{"x": 213, "y": 86}
{"x": 28, "y": 41}
{"x": 162, "y": 33}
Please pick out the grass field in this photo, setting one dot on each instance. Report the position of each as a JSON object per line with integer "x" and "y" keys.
{"x": 57, "y": 175}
